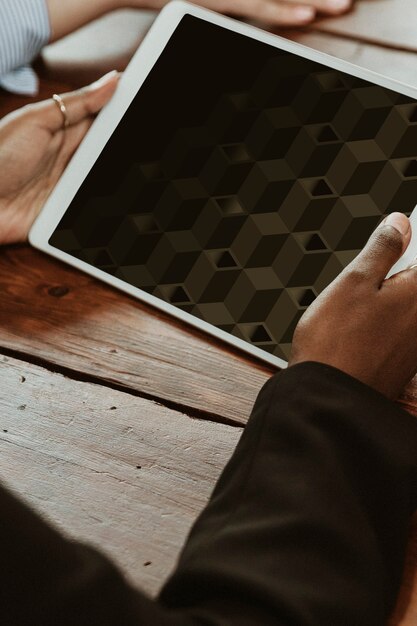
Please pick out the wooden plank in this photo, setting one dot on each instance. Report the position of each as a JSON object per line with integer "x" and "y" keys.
{"x": 73, "y": 450}
{"x": 50, "y": 311}
{"x": 389, "y": 23}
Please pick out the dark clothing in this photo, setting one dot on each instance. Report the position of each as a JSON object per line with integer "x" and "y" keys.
{"x": 307, "y": 525}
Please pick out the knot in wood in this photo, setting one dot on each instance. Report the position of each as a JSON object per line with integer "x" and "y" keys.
{"x": 58, "y": 292}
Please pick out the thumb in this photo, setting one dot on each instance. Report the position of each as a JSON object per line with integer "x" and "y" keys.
{"x": 385, "y": 246}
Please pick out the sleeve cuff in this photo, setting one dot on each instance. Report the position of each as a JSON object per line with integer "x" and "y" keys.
{"x": 377, "y": 418}
{"x": 24, "y": 30}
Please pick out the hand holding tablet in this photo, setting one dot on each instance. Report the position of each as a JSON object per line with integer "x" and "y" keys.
{"x": 355, "y": 325}
{"x": 229, "y": 186}
{"x": 35, "y": 151}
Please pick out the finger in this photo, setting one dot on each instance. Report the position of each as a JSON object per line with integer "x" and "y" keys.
{"x": 332, "y": 7}
{"x": 63, "y": 146}
{"x": 270, "y": 11}
{"x": 384, "y": 248}
{"x": 284, "y": 14}
{"x": 73, "y": 138}
{"x": 79, "y": 104}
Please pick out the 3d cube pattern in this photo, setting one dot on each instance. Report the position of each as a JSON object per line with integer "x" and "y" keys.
{"x": 244, "y": 219}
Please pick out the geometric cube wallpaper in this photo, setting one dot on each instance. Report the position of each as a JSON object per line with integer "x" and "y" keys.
{"x": 242, "y": 180}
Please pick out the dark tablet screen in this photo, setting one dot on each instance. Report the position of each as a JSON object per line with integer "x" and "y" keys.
{"x": 241, "y": 180}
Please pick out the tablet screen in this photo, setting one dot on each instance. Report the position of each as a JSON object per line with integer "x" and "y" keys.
{"x": 241, "y": 180}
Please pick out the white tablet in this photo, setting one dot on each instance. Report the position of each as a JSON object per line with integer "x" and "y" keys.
{"x": 233, "y": 176}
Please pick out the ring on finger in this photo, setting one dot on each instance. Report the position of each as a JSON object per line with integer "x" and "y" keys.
{"x": 61, "y": 106}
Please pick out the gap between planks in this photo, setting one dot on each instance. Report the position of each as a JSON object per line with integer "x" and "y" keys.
{"x": 72, "y": 374}
{"x": 64, "y": 317}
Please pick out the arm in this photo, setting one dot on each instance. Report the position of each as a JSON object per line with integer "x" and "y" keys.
{"x": 306, "y": 527}
{"x": 68, "y": 15}
{"x": 308, "y": 523}
{"x": 29, "y": 24}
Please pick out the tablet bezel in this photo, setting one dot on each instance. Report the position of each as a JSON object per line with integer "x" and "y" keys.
{"x": 106, "y": 122}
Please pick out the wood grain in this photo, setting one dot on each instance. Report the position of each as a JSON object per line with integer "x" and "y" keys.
{"x": 119, "y": 472}
{"x": 389, "y": 23}
{"x": 123, "y": 473}
{"x": 52, "y": 312}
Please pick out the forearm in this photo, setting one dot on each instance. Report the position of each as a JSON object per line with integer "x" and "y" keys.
{"x": 308, "y": 523}
{"x": 68, "y": 15}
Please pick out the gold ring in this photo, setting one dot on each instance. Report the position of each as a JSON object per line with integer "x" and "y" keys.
{"x": 61, "y": 106}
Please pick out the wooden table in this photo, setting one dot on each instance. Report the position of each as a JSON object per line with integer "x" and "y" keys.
{"x": 116, "y": 420}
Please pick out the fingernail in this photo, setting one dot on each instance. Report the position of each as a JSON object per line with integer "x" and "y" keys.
{"x": 339, "y": 4}
{"x": 103, "y": 80}
{"x": 304, "y": 14}
{"x": 398, "y": 221}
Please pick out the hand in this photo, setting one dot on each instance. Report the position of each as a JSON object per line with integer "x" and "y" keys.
{"x": 363, "y": 324}
{"x": 35, "y": 150}
{"x": 273, "y": 12}
{"x": 66, "y": 17}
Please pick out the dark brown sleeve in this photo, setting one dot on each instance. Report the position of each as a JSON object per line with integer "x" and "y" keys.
{"x": 307, "y": 525}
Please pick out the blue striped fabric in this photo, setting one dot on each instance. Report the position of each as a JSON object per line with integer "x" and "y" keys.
{"x": 24, "y": 30}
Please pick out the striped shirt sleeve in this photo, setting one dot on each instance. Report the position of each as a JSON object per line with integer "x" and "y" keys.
{"x": 24, "y": 30}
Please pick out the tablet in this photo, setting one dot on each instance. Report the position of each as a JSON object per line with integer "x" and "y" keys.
{"x": 233, "y": 176}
